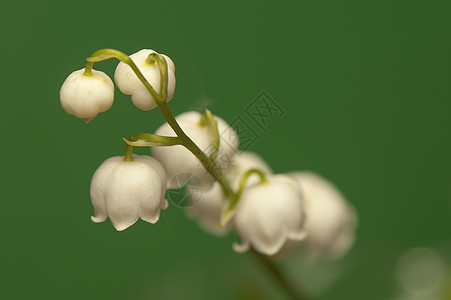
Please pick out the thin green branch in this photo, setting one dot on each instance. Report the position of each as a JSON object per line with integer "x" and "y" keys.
{"x": 88, "y": 69}
{"x": 128, "y": 156}
{"x": 163, "y": 67}
{"x": 245, "y": 178}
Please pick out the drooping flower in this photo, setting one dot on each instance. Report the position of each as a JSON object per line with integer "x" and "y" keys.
{"x": 129, "y": 83}
{"x": 207, "y": 208}
{"x": 127, "y": 191}
{"x": 85, "y": 96}
{"x": 331, "y": 219}
{"x": 269, "y": 214}
{"x": 208, "y": 204}
{"x": 181, "y": 165}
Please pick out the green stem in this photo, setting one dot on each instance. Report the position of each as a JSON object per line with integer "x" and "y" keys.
{"x": 191, "y": 146}
{"x": 128, "y": 157}
{"x": 245, "y": 178}
{"x": 163, "y": 67}
{"x": 277, "y": 275}
{"x": 211, "y": 167}
{"x": 150, "y": 60}
{"x": 88, "y": 69}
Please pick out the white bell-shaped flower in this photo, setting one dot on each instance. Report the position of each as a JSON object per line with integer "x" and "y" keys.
{"x": 127, "y": 191}
{"x": 129, "y": 83}
{"x": 86, "y": 96}
{"x": 331, "y": 219}
{"x": 207, "y": 208}
{"x": 181, "y": 165}
{"x": 209, "y": 204}
{"x": 269, "y": 214}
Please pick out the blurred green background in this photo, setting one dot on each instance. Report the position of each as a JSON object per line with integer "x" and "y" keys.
{"x": 365, "y": 87}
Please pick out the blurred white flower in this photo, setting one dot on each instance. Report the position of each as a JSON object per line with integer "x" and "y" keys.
{"x": 421, "y": 273}
{"x": 269, "y": 214}
{"x": 181, "y": 165}
{"x": 126, "y": 191}
{"x": 87, "y": 96}
{"x": 207, "y": 208}
{"x": 208, "y": 204}
{"x": 129, "y": 84}
{"x": 331, "y": 220}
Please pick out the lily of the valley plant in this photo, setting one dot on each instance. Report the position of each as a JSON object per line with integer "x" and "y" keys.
{"x": 272, "y": 213}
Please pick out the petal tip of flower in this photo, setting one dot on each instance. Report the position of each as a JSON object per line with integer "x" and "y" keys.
{"x": 86, "y": 120}
{"x": 165, "y": 204}
{"x": 271, "y": 251}
{"x": 121, "y": 227}
{"x": 98, "y": 219}
{"x": 153, "y": 220}
{"x": 241, "y": 248}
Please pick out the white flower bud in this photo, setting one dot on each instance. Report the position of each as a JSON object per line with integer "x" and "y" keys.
{"x": 126, "y": 191}
{"x": 129, "y": 84}
{"x": 181, "y": 165}
{"x": 269, "y": 214}
{"x": 209, "y": 204}
{"x": 86, "y": 96}
{"x": 331, "y": 220}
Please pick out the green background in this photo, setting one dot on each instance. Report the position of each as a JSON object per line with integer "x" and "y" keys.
{"x": 365, "y": 86}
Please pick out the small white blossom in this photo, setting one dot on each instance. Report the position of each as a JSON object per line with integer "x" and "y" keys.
{"x": 269, "y": 214}
{"x": 127, "y": 191}
{"x": 129, "y": 84}
{"x": 331, "y": 220}
{"x": 87, "y": 96}
{"x": 209, "y": 204}
{"x": 207, "y": 208}
{"x": 181, "y": 165}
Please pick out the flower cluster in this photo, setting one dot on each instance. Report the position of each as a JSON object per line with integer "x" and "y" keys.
{"x": 272, "y": 213}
